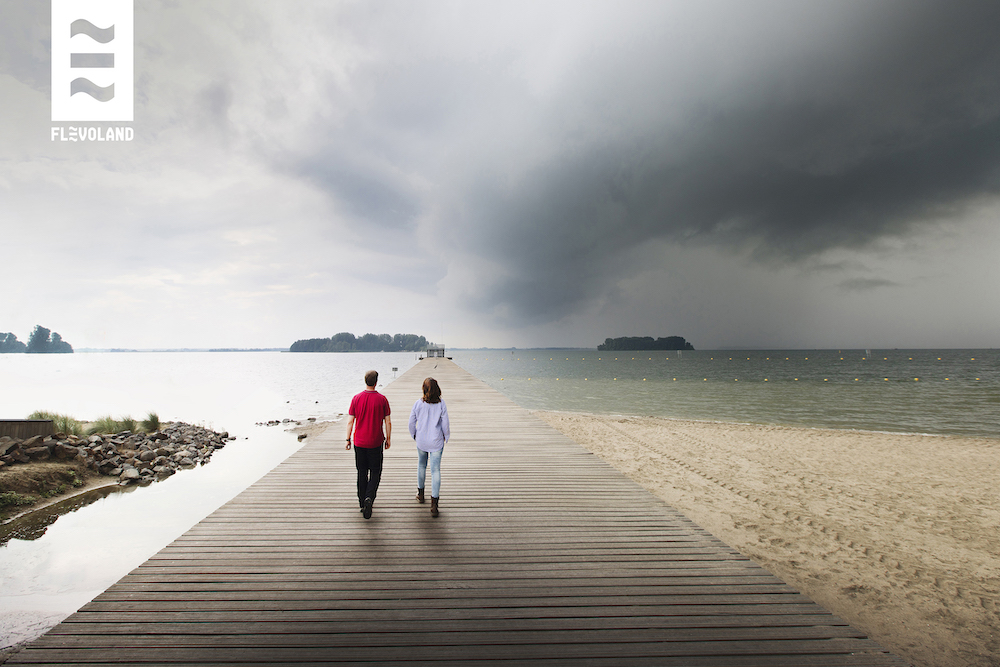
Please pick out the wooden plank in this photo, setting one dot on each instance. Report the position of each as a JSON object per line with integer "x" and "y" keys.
{"x": 543, "y": 554}
{"x": 22, "y": 429}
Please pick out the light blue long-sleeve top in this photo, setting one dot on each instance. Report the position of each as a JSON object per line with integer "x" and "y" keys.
{"x": 429, "y": 425}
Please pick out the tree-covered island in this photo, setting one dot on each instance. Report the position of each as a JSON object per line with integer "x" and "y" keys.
{"x": 644, "y": 343}
{"x": 348, "y": 342}
{"x": 41, "y": 341}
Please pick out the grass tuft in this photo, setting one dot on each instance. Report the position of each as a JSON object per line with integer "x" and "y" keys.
{"x": 104, "y": 425}
{"x": 151, "y": 424}
{"x": 61, "y": 423}
{"x": 127, "y": 424}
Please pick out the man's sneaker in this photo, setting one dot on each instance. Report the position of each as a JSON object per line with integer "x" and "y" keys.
{"x": 367, "y": 509}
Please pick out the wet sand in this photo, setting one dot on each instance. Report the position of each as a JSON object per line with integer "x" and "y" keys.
{"x": 897, "y": 534}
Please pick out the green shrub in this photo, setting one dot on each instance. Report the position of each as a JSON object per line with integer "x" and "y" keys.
{"x": 61, "y": 423}
{"x": 151, "y": 424}
{"x": 11, "y": 499}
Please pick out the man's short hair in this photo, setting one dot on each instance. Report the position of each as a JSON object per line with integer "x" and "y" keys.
{"x": 371, "y": 378}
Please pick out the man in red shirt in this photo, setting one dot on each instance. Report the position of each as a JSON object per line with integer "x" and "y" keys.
{"x": 368, "y": 411}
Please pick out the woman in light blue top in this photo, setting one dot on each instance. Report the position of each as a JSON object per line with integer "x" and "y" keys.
{"x": 430, "y": 428}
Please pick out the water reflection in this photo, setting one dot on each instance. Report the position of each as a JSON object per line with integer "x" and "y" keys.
{"x": 33, "y": 525}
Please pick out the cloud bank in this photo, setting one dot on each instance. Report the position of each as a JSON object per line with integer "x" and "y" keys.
{"x": 528, "y": 173}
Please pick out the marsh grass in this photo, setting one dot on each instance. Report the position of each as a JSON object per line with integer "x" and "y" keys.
{"x": 61, "y": 423}
{"x": 151, "y": 424}
{"x": 104, "y": 425}
{"x": 108, "y": 424}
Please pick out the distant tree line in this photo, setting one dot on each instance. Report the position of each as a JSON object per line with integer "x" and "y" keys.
{"x": 645, "y": 343}
{"x": 347, "y": 342}
{"x": 41, "y": 341}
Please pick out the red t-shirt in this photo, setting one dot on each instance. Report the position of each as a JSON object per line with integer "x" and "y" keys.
{"x": 369, "y": 408}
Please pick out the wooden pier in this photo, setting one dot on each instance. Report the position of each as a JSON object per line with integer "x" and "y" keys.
{"x": 542, "y": 555}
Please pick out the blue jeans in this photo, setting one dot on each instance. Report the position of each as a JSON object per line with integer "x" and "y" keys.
{"x": 435, "y": 461}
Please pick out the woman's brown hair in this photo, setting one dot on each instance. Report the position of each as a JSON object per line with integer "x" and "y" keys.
{"x": 432, "y": 392}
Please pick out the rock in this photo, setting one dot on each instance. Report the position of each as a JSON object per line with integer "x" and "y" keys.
{"x": 147, "y": 455}
{"x": 38, "y": 453}
{"x": 33, "y": 441}
{"x": 63, "y": 452}
{"x": 20, "y": 457}
{"x": 8, "y": 446}
{"x": 302, "y": 436}
{"x": 129, "y": 475}
{"x": 163, "y": 451}
{"x": 186, "y": 463}
{"x": 95, "y": 439}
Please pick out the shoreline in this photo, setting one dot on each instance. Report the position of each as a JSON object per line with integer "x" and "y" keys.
{"x": 894, "y": 533}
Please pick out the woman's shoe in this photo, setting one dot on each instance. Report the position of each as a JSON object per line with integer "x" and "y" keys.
{"x": 420, "y": 496}
{"x": 434, "y": 506}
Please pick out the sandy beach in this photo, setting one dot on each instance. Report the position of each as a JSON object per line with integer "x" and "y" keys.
{"x": 897, "y": 534}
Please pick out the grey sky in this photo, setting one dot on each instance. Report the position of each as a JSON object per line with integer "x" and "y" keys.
{"x": 777, "y": 174}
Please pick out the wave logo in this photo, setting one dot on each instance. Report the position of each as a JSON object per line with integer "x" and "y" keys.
{"x": 92, "y": 60}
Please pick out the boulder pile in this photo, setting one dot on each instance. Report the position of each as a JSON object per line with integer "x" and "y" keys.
{"x": 131, "y": 457}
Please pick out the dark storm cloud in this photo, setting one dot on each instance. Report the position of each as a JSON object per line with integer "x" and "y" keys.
{"x": 891, "y": 121}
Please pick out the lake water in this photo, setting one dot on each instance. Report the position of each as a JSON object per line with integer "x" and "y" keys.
{"x": 67, "y": 563}
{"x": 945, "y": 392}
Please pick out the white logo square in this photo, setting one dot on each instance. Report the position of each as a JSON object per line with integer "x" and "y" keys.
{"x": 92, "y": 60}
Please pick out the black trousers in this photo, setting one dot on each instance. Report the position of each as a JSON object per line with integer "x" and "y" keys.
{"x": 369, "y": 464}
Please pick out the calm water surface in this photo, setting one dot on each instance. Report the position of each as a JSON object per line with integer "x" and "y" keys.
{"x": 945, "y": 392}
{"x": 54, "y": 569}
